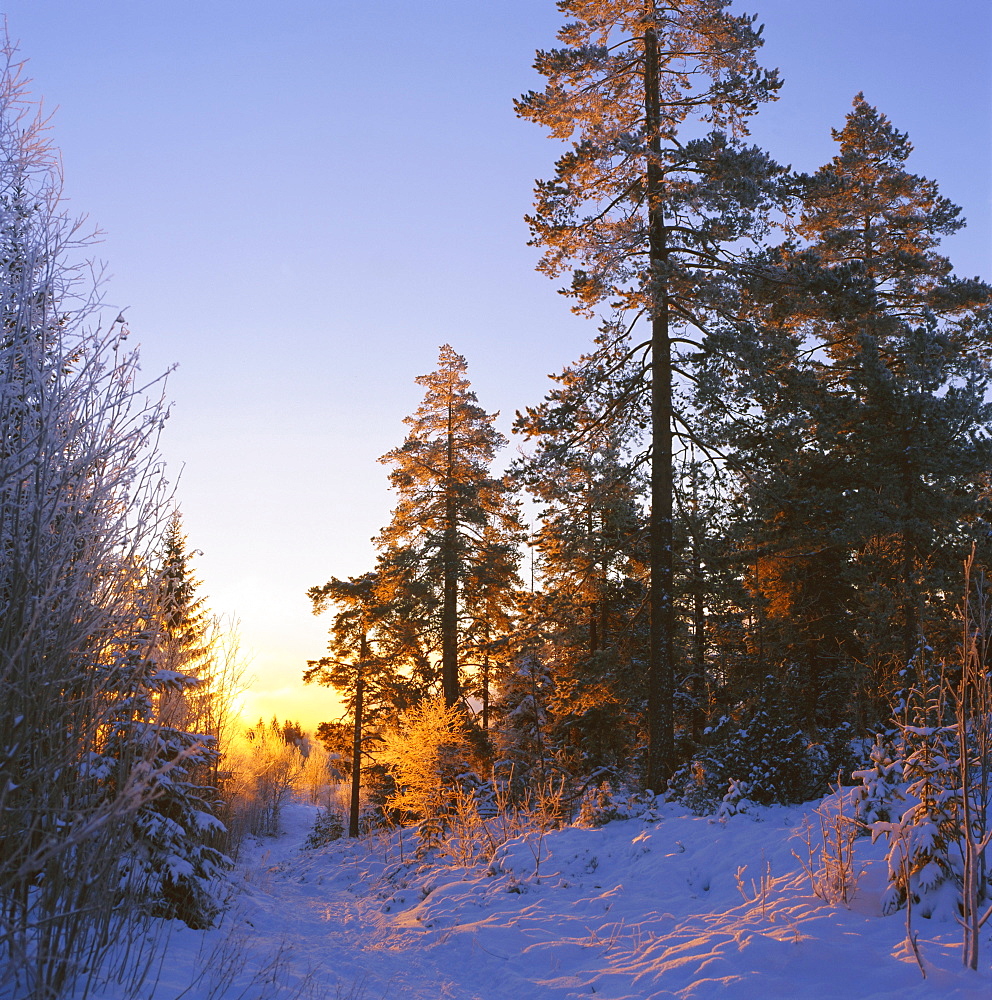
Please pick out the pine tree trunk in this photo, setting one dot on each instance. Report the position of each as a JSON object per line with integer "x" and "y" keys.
{"x": 661, "y": 722}
{"x": 485, "y": 687}
{"x": 910, "y": 616}
{"x": 356, "y": 748}
{"x": 699, "y": 652}
{"x": 604, "y": 614}
{"x": 593, "y": 605}
{"x": 449, "y": 605}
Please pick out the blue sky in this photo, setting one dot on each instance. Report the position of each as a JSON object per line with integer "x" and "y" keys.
{"x": 302, "y": 200}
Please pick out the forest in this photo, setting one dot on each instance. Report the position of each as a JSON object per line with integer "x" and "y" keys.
{"x": 737, "y": 562}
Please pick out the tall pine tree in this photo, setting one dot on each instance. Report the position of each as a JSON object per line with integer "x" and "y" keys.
{"x": 454, "y": 532}
{"x": 908, "y": 354}
{"x": 644, "y": 208}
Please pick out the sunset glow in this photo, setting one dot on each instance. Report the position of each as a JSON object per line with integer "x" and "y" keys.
{"x": 285, "y": 398}
{"x": 495, "y": 500}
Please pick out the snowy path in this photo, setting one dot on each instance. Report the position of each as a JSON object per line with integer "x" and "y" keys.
{"x": 629, "y": 911}
{"x": 337, "y": 930}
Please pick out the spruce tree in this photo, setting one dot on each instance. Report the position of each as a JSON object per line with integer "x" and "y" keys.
{"x": 172, "y": 863}
{"x": 184, "y": 622}
{"x": 643, "y": 209}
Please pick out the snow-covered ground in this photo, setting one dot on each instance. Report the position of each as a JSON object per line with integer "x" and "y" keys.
{"x": 628, "y": 911}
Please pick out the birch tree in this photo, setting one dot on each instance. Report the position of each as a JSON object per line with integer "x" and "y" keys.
{"x": 81, "y": 504}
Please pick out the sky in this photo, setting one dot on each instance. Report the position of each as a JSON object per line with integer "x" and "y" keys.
{"x": 301, "y": 201}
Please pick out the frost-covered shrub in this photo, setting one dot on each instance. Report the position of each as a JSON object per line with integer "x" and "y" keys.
{"x": 597, "y": 806}
{"x": 327, "y": 827}
{"x": 829, "y": 860}
{"x": 601, "y": 805}
{"x": 426, "y": 751}
{"x": 697, "y": 784}
{"x": 82, "y": 499}
{"x": 264, "y": 768}
{"x": 736, "y": 801}
{"x": 321, "y": 772}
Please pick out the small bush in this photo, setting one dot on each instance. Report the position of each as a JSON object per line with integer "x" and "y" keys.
{"x": 601, "y": 805}
{"x": 878, "y": 798}
{"x": 736, "y": 801}
{"x": 327, "y": 827}
{"x": 263, "y": 770}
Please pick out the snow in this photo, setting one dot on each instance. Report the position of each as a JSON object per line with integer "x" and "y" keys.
{"x": 684, "y": 907}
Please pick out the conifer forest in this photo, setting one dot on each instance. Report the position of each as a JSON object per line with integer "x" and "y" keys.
{"x": 704, "y": 643}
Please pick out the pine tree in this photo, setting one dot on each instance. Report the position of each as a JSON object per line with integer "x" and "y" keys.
{"x": 455, "y": 523}
{"x": 642, "y": 208}
{"x": 368, "y": 681}
{"x": 490, "y": 601}
{"x": 524, "y": 739}
{"x": 908, "y": 355}
{"x": 857, "y": 429}
{"x": 182, "y": 654}
{"x": 711, "y": 598}
{"x": 849, "y": 409}
{"x": 876, "y": 799}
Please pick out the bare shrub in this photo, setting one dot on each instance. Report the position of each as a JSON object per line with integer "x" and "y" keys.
{"x": 761, "y": 887}
{"x": 829, "y": 860}
{"x": 972, "y": 698}
{"x": 319, "y": 778}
